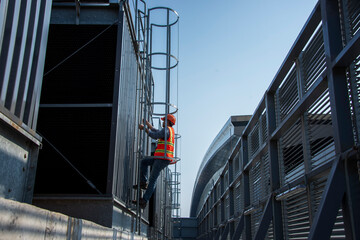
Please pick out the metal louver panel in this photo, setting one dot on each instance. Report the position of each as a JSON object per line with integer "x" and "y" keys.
{"x": 288, "y": 95}
{"x": 256, "y": 191}
{"x": 266, "y": 176}
{"x": 227, "y": 207}
{"x": 317, "y": 188}
{"x": 297, "y": 222}
{"x": 255, "y": 221}
{"x": 254, "y": 140}
{"x": 338, "y": 231}
{"x": 270, "y": 233}
{"x": 354, "y": 16}
{"x": 353, "y": 77}
{"x": 236, "y": 164}
{"x": 264, "y": 130}
{"x": 322, "y": 146}
{"x": 239, "y": 199}
{"x": 218, "y": 191}
{"x": 313, "y": 60}
{"x": 292, "y": 153}
{"x": 226, "y": 180}
{"x": 218, "y": 213}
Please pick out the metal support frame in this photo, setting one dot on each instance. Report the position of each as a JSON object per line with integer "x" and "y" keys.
{"x": 239, "y": 228}
{"x": 341, "y": 190}
{"x": 265, "y": 220}
{"x": 341, "y": 115}
{"x": 330, "y": 203}
{"x": 322, "y": 91}
{"x": 225, "y": 232}
{"x": 231, "y": 197}
{"x": 247, "y": 218}
{"x": 343, "y": 133}
{"x": 274, "y": 165}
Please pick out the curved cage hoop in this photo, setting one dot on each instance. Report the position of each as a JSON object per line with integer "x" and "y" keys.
{"x": 165, "y": 54}
{"x": 169, "y": 10}
{"x": 175, "y": 109}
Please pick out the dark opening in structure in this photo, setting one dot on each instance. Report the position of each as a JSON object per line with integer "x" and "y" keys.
{"x": 76, "y": 109}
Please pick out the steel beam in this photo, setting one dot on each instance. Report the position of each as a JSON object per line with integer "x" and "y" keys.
{"x": 90, "y": 14}
{"x": 349, "y": 53}
{"x": 330, "y": 202}
{"x": 225, "y": 233}
{"x": 218, "y": 230}
{"x": 265, "y": 220}
{"x": 239, "y": 228}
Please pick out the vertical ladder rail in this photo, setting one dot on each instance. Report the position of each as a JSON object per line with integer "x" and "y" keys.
{"x": 147, "y": 105}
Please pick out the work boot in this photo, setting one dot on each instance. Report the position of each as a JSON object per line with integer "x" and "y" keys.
{"x": 143, "y": 185}
{"x": 142, "y": 203}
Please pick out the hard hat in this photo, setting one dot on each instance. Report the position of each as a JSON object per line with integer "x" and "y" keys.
{"x": 171, "y": 118}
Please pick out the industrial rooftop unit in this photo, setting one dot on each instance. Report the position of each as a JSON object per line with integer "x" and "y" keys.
{"x": 97, "y": 87}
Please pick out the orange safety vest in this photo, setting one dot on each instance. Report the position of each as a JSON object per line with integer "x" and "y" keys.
{"x": 160, "y": 149}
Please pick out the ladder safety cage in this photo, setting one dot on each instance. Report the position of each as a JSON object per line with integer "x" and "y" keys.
{"x": 151, "y": 110}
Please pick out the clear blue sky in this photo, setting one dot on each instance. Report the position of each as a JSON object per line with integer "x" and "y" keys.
{"x": 229, "y": 53}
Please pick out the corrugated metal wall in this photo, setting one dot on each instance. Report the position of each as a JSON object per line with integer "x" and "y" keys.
{"x": 127, "y": 119}
{"x": 23, "y": 38}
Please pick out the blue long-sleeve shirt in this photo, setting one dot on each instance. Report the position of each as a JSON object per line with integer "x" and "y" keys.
{"x": 157, "y": 134}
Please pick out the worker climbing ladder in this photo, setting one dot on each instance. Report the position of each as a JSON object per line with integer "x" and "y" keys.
{"x": 158, "y": 90}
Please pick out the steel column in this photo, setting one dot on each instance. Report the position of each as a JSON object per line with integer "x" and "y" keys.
{"x": 231, "y": 197}
{"x": 274, "y": 166}
{"x": 246, "y": 181}
{"x": 339, "y": 100}
{"x": 351, "y": 202}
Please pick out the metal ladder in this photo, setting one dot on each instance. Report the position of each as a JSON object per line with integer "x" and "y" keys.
{"x": 149, "y": 109}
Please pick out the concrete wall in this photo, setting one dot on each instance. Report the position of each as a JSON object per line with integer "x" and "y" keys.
{"x": 24, "y": 221}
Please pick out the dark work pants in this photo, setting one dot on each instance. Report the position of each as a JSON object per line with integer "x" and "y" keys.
{"x": 157, "y": 166}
